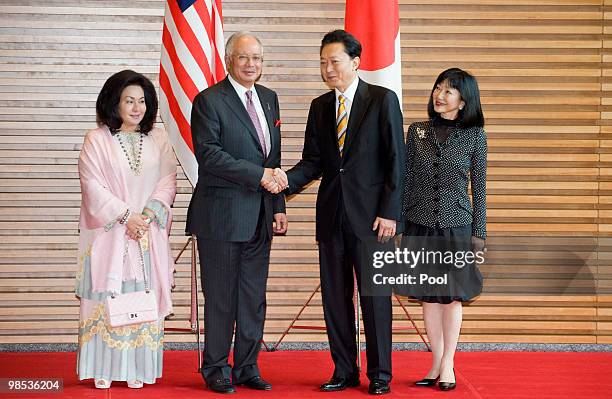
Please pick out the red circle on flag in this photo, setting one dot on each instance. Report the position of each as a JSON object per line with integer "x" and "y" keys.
{"x": 375, "y": 23}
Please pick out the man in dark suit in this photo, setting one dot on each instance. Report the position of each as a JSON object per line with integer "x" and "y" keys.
{"x": 354, "y": 140}
{"x": 235, "y": 126}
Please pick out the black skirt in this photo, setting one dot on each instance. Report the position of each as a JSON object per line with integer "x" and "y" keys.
{"x": 464, "y": 281}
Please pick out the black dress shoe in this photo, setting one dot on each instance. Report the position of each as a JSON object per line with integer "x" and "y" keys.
{"x": 257, "y": 383}
{"x": 339, "y": 384}
{"x": 222, "y": 385}
{"x": 426, "y": 382}
{"x": 448, "y": 386}
{"x": 378, "y": 387}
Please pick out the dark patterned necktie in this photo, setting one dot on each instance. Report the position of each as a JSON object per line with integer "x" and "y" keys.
{"x": 255, "y": 119}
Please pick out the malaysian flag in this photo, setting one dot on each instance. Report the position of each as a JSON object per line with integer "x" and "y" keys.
{"x": 375, "y": 23}
{"x": 192, "y": 59}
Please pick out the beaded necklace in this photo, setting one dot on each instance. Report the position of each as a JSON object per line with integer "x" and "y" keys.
{"x": 131, "y": 143}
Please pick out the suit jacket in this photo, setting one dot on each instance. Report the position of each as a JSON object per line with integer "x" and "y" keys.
{"x": 227, "y": 198}
{"x": 368, "y": 177}
{"x": 437, "y": 176}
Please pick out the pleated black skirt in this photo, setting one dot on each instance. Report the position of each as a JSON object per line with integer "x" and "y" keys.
{"x": 464, "y": 278}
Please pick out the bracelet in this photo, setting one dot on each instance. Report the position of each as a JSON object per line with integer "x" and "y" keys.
{"x": 126, "y": 216}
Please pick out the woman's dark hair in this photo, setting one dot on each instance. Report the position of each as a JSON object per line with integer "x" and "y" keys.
{"x": 466, "y": 84}
{"x": 107, "y": 105}
{"x": 351, "y": 45}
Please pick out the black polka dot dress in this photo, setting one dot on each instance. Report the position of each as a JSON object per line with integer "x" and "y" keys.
{"x": 442, "y": 159}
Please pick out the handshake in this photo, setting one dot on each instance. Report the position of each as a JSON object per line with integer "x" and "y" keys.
{"x": 274, "y": 180}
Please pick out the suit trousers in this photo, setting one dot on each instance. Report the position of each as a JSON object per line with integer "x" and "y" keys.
{"x": 234, "y": 277}
{"x": 338, "y": 258}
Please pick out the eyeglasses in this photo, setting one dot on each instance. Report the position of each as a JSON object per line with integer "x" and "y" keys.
{"x": 243, "y": 58}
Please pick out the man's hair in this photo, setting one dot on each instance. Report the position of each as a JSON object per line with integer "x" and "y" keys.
{"x": 229, "y": 45}
{"x": 351, "y": 45}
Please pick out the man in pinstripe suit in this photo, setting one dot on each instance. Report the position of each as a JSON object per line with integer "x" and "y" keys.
{"x": 236, "y": 137}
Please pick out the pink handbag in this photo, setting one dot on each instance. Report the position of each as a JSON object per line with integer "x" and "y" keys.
{"x": 133, "y": 307}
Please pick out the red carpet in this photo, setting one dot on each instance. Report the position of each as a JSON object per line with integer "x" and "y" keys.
{"x": 297, "y": 374}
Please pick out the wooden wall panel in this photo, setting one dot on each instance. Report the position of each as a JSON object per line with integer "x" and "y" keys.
{"x": 604, "y": 272}
{"x": 545, "y": 76}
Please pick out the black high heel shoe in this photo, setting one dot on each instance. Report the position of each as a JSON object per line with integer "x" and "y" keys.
{"x": 427, "y": 382}
{"x": 448, "y": 386}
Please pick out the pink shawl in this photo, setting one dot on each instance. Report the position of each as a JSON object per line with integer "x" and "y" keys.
{"x": 104, "y": 198}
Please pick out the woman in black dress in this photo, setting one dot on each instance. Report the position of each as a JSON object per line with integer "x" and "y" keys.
{"x": 443, "y": 155}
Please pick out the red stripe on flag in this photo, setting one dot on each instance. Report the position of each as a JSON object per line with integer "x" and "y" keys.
{"x": 181, "y": 73}
{"x": 218, "y": 71}
{"x": 219, "y": 9}
{"x": 175, "y": 109}
{"x": 203, "y": 12}
{"x": 219, "y": 67}
{"x": 375, "y": 23}
{"x": 190, "y": 40}
{"x": 209, "y": 20}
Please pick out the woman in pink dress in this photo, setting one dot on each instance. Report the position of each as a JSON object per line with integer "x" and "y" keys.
{"x": 128, "y": 183}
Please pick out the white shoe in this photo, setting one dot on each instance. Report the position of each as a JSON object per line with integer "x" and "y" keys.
{"x": 101, "y": 383}
{"x": 135, "y": 384}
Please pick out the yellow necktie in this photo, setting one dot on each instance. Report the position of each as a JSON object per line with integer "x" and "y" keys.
{"x": 341, "y": 122}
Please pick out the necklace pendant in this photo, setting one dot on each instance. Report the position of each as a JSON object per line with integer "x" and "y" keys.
{"x": 134, "y": 153}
